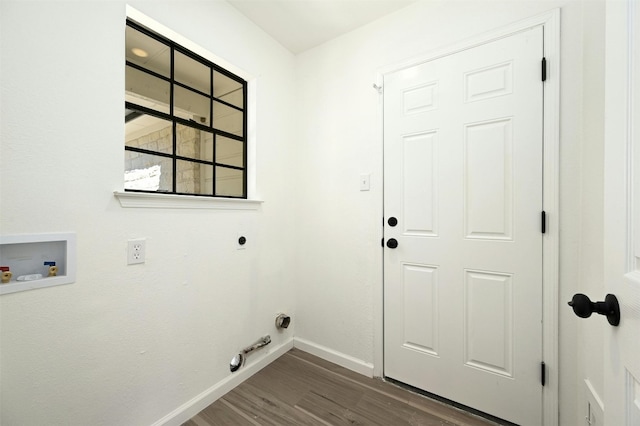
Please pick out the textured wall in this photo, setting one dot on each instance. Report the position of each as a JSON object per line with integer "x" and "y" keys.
{"x": 129, "y": 344}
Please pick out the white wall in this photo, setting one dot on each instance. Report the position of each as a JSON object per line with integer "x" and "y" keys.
{"x": 339, "y": 266}
{"x": 128, "y": 344}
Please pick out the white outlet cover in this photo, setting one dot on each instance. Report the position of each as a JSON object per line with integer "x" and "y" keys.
{"x": 136, "y": 251}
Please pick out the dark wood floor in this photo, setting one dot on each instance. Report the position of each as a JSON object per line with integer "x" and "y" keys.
{"x": 301, "y": 389}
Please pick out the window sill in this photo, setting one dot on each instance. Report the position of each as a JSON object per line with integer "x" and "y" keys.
{"x": 169, "y": 201}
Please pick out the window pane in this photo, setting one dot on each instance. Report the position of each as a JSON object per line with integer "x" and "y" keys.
{"x": 194, "y": 178}
{"x": 229, "y": 151}
{"x": 147, "y": 172}
{"x": 147, "y": 52}
{"x": 192, "y": 73}
{"x": 177, "y": 147}
{"x": 227, "y": 89}
{"x": 147, "y": 90}
{"x": 194, "y": 143}
{"x": 150, "y": 133}
{"x": 227, "y": 119}
{"x": 191, "y": 106}
{"x": 229, "y": 182}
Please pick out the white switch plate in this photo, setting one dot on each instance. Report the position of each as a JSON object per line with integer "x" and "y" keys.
{"x": 365, "y": 183}
{"x": 136, "y": 251}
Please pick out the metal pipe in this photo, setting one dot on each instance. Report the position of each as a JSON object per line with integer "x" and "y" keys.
{"x": 263, "y": 341}
{"x": 238, "y": 360}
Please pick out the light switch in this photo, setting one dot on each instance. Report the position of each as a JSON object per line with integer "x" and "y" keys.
{"x": 365, "y": 182}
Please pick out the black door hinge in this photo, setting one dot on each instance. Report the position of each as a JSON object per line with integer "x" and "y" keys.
{"x": 544, "y": 69}
{"x": 544, "y": 222}
{"x": 543, "y": 373}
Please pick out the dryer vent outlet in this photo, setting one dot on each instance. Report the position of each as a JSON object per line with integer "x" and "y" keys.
{"x": 283, "y": 321}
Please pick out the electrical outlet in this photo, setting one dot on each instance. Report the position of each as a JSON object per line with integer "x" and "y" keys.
{"x": 136, "y": 251}
{"x": 242, "y": 241}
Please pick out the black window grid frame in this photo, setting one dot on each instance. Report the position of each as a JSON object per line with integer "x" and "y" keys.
{"x": 171, "y": 117}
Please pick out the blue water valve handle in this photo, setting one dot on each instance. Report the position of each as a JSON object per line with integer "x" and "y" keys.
{"x": 50, "y": 263}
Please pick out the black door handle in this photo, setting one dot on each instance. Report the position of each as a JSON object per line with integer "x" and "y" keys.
{"x": 584, "y": 307}
{"x": 392, "y": 221}
{"x": 392, "y": 243}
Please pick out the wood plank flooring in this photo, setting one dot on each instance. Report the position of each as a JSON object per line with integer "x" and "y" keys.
{"x": 301, "y": 389}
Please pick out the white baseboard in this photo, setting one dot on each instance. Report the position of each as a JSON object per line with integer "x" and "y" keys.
{"x": 200, "y": 402}
{"x": 335, "y": 357}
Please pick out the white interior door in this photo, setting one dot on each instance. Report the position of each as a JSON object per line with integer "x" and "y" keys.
{"x": 463, "y": 201}
{"x": 622, "y": 212}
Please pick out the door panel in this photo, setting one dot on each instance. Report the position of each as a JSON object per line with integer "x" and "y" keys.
{"x": 633, "y": 400}
{"x": 420, "y": 288}
{"x": 463, "y": 175}
{"x": 419, "y": 183}
{"x": 489, "y": 82}
{"x": 488, "y": 332}
{"x": 488, "y": 183}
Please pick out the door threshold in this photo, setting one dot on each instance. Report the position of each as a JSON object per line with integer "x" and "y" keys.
{"x": 457, "y": 405}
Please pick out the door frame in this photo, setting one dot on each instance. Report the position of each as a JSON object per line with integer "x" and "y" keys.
{"x": 550, "y": 21}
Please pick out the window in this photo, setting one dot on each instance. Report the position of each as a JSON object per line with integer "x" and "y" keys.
{"x": 185, "y": 120}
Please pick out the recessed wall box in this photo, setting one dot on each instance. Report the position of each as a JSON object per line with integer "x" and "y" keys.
{"x": 28, "y": 255}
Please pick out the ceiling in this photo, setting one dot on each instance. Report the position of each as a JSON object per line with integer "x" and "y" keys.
{"x": 302, "y": 24}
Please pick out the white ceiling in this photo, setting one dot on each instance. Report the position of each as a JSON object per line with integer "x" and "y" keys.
{"x": 302, "y": 24}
